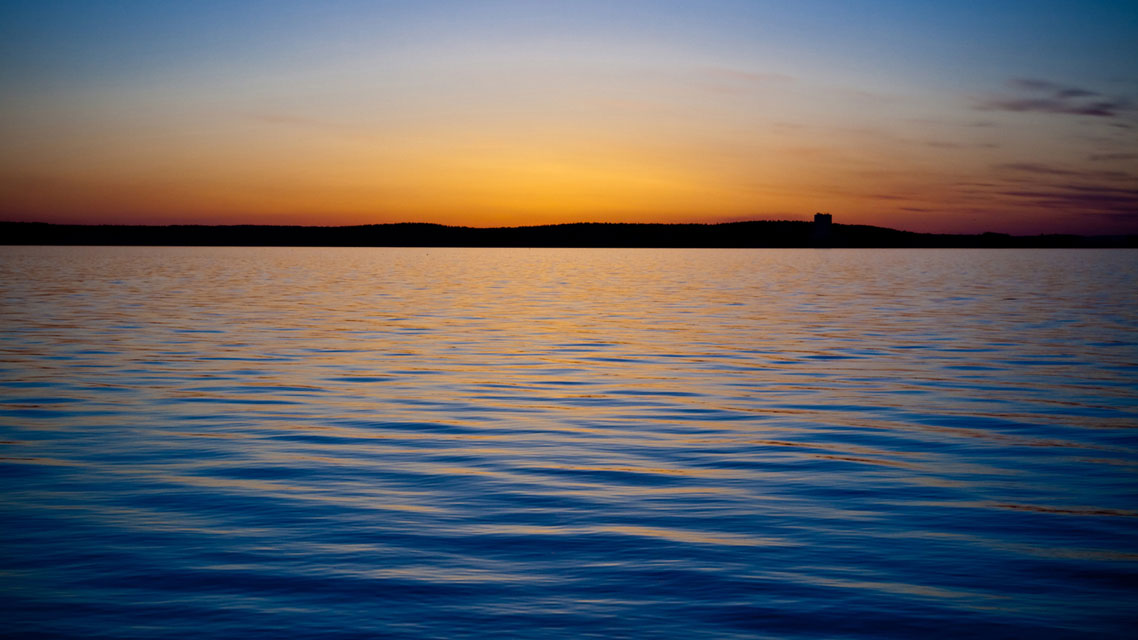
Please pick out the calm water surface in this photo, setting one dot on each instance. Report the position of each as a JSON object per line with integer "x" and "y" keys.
{"x": 556, "y": 443}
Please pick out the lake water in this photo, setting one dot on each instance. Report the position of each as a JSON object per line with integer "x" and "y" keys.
{"x": 556, "y": 443}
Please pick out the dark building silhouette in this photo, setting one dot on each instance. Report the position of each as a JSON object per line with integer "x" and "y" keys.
{"x": 820, "y": 234}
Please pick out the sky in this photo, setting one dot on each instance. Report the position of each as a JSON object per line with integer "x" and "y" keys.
{"x": 1013, "y": 117}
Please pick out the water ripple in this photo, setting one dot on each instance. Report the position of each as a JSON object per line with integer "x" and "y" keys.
{"x": 468, "y": 443}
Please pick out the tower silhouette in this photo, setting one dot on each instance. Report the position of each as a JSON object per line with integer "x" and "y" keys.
{"x": 820, "y": 234}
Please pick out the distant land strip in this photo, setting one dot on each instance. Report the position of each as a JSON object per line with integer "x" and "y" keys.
{"x": 751, "y": 234}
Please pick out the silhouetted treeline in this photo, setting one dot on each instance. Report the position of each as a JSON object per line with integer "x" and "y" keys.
{"x": 757, "y": 234}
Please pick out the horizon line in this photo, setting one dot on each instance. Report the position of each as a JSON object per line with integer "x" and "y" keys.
{"x": 548, "y": 225}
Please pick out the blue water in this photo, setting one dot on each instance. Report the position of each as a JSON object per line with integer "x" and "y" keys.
{"x": 558, "y": 443}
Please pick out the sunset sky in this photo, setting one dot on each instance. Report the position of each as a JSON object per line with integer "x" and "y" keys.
{"x": 1017, "y": 117}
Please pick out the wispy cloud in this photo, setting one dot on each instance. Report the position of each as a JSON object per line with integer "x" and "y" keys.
{"x": 1047, "y": 171}
{"x": 1043, "y": 96}
{"x": 1082, "y": 199}
{"x": 944, "y": 144}
{"x": 1065, "y": 191}
{"x": 1126, "y": 216}
{"x": 1034, "y": 167}
{"x": 1107, "y": 157}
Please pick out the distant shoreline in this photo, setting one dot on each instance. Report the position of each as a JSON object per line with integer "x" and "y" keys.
{"x": 751, "y": 234}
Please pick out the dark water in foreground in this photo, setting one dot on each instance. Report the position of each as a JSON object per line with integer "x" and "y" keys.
{"x": 555, "y": 443}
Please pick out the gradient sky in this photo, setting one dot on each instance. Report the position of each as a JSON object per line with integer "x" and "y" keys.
{"x": 1017, "y": 117}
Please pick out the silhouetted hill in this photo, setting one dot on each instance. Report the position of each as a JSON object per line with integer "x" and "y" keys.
{"x": 757, "y": 234}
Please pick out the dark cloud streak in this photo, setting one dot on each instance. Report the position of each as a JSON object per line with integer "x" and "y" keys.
{"x": 1039, "y": 169}
{"x": 1042, "y": 96}
{"x": 1034, "y": 167}
{"x": 1081, "y": 198}
{"x": 1103, "y": 108}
